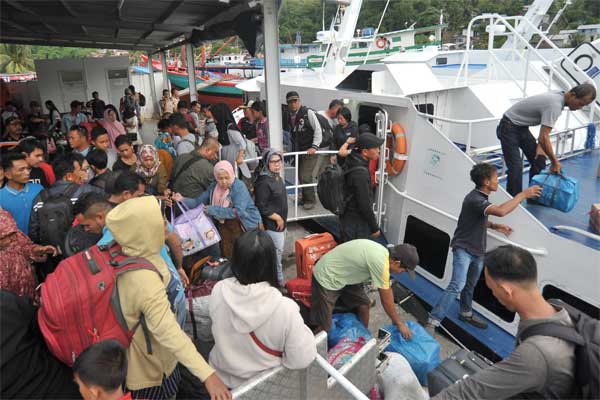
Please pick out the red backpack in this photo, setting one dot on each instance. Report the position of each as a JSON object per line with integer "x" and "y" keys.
{"x": 80, "y": 302}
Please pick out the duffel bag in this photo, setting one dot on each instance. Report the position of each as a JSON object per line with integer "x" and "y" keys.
{"x": 559, "y": 191}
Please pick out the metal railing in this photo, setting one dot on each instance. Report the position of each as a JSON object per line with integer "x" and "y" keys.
{"x": 577, "y": 230}
{"x": 340, "y": 379}
{"x": 554, "y": 73}
{"x": 539, "y": 252}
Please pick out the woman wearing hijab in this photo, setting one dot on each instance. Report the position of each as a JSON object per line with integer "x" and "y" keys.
{"x": 228, "y": 201}
{"x": 112, "y": 125}
{"x": 234, "y": 144}
{"x": 271, "y": 200}
{"x": 149, "y": 167}
{"x": 17, "y": 252}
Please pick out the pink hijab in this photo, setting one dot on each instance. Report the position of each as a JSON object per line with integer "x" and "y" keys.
{"x": 219, "y": 196}
{"x": 114, "y": 129}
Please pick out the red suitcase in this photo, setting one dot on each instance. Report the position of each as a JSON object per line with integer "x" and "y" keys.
{"x": 300, "y": 290}
{"x": 309, "y": 250}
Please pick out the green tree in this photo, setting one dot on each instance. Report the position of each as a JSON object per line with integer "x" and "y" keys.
{"x": 15, "y": 59}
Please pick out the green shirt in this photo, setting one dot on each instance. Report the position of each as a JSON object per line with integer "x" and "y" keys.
{"x": 354, "y": 262}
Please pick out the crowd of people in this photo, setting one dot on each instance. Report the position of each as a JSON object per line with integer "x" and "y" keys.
{"x": 106, "y": 185}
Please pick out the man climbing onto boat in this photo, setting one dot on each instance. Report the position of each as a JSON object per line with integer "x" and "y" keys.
{"x": 469, "y": 243}
{"x": 544, "y": 110}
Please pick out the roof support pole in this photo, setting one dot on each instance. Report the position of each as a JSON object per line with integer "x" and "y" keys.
{"x": 272, "y": 87}
{"x": 163, "y": 60}
{"x": 189, "y": 53}
{"x": 155, "y": 104}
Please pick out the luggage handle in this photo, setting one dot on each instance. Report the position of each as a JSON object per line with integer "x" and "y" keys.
{"x": 184, "y": 209}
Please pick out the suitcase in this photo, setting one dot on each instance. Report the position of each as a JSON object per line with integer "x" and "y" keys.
{"x": 558, "y": 191}
{"x": 300, "y": 290}
{"x": 458, "y": 366}
{"x": 595, "y": 218}
{"x": 309, "y": 250}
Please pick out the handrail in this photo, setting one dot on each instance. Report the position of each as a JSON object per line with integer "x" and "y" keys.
{"x": 341, "y": 379}
{"x": 577, "y": 230}
{"x": 539, "y": 252}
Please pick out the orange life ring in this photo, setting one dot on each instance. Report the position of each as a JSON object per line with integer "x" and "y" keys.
{"x": 380, "y": 43}
{"x": 397, "y": 143}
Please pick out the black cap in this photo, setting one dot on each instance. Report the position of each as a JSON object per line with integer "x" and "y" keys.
{"x": 368, "y": 141}
{"x": 12, "y": 119}
{"x": 293, "y": 95}
{"x": 407, "y": 255}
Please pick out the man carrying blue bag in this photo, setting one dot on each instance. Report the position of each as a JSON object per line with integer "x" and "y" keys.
{"x": 544, "y": 110}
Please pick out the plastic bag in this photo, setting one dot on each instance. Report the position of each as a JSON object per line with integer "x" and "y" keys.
{"x": 398, "y": 381}
{"x": 344, "y": 351}
{"x": 346, "y": 325}
{"x": 422, "y": 352}
{"x": 195, "y": 229}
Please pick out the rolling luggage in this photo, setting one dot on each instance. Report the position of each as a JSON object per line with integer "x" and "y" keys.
{"x": 300, "y": 290}
{"x": 558, "y": 191}
{"x": 458, "y": 366}
{"x": 309, "y": 250}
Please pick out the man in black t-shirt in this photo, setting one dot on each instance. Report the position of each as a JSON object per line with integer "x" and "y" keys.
{"x": 469, "y": 243}
{"x": 34, "y": 155}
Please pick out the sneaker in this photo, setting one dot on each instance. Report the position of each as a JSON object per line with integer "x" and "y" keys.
{"x": 308, "y": 206}
{"x": 473, "y": 320}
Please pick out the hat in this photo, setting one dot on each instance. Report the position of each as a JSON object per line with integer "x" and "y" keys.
{"x": 407, "y": 255}
{"x": 12, "y": 119}
{"x": 293, "y": 95}
{"x": 248, "y": 104}
{"x": 368, "y": 141}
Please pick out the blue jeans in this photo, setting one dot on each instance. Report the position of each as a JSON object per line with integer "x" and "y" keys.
{"x": 466, "y": 269}
{"x": 279, "y": 241}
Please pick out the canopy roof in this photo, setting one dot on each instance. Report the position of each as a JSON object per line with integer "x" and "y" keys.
{"x": 148, "y": 25}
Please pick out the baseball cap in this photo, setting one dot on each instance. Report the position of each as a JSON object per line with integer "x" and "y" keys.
{"x": 368, "y": 141}
{"x": 293, "y": 95}
{"x": 407, "y": 255}
{"x": 12, "y": 119}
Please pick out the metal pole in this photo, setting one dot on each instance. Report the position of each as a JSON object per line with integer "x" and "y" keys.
{"x": 272, "y": 89}
{"x": 189, "y": 53}
{"x": 468, "y": 149}
{"x": 340, "y": 379}
{"x": 163, "y": 60}
{"x": 155, "y": 104}
{"x": 490, "y": 48}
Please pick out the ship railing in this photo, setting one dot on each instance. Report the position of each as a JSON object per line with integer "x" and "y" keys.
{"x": 535, "y": 251}
{"x": 296, "y": 187}
{"x": 553, "y": 72}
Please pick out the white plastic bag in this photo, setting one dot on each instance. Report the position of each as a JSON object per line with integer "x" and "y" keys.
{"x": 398, "y": 381}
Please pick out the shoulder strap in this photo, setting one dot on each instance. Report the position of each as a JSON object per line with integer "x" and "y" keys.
{"x": 263, "y": 347}
{"x": 552, "y": 329}
{"x": 188, "y": 163}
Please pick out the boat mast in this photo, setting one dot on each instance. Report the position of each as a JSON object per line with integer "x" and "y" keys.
{"x": 342, "y": 39}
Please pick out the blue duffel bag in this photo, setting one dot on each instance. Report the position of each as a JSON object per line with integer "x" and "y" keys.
{"x": 558, "y": 191}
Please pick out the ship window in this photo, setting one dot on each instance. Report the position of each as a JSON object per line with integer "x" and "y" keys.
{"x": 552, "y": 292}
{"x": 432, "y": 245}
{"x": 366, "y": 115}
{"x": 483, "y": 295}
{"x": 441, "y": 61}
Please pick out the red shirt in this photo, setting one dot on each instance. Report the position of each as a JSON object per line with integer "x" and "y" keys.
{"x": 49, "y": 172}
{"x": 126, "y": 396}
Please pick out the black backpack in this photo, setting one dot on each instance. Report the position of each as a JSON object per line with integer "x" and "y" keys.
{"x": 331, "y": 188}
{"x": 326, "y": 130}
{"x": 56, "y": 216}
{"x": 586, "y": 336}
